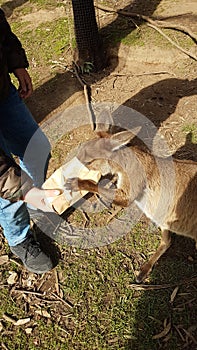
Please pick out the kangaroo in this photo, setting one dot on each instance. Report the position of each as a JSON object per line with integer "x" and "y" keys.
{"x": 165, "y": 189}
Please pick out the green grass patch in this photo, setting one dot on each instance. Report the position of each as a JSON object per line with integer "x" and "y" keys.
{"x": 134, "y": 38}
{"x": 191, "y": 129}
{"x": 45, "y": 4}
{"x": 45, "y": 43}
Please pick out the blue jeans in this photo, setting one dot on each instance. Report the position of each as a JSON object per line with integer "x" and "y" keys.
{"x": 21, "y": 136}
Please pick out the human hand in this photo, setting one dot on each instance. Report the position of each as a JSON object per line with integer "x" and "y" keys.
{"x": 25, "y": 85}
{"x": 41, "y": 199}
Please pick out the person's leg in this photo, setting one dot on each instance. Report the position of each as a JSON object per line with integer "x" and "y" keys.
{"x": 24, "y": 138}
{"x": 17, "y": 129}
{"x": 15, "y": 221}
{"x": 20, "y": 135}
{"x": 14, "y": 217}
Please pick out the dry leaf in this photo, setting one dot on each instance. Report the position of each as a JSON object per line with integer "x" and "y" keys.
{"x": 12, "y": 278}
{"x": 61, "y": 293}
{"x": 56, "y": 282}
{"x": 173, "y": 295}
{"x": 22, "y": 321}
{"x": 190, "y": 258}
{"x": 28, "y": 330}
{"x": 163, "y": 333}
{"x": 9, "y": 318}
{"x": 4, "y": 259}
{"x": 43, "y": 313}
{"x": 1, "y": 326}
{"x": 165, "y": 322}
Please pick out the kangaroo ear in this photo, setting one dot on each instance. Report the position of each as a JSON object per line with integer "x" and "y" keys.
{"x": 123, "y": 138}
{"x": 103, "y": 134}
{"x": 104, "y": 123}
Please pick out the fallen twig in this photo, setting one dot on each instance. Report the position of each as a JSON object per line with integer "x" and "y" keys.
{"x": 15, "y": 322}
{"x": 139, "y": 75}
{"x": 113, "y": 215}
{"x": 86, "y": 217}
{"x": 56, "y": 282}
{"x": 4, "y": 285}
{"x": 16, "y": 262}
{"x": 29, "y": 292}
{"x": 87, "y": 94}
{"x": 150, "y": 20}
{"x": 75, "y": 67}
{"x": 66, "y": 302}
{"x": 155, "y": 25}
{"x": 9, "y": 319}
{"x": 4, "y": 346}
{"x": 188, "y": 53}
{"x": 179, "y": 333}
{"x": 180, "y": 28}
{"x": 91, "y": 114}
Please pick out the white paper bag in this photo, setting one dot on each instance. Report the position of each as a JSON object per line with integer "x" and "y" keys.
{"x": 57, "y": 180}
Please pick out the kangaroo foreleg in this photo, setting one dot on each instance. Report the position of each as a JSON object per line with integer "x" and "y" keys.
{"x": 116, "y": 196}
{"x": 147, "y": 267}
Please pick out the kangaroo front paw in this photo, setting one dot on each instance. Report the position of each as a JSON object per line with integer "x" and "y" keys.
{"x": 72, "y": 184}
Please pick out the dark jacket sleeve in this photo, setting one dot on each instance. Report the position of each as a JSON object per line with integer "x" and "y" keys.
{"x": 14, "y": 183}
{"x": 15, "y": 54}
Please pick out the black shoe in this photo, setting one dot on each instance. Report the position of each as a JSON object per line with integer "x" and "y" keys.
{"x": 34, "y": 259}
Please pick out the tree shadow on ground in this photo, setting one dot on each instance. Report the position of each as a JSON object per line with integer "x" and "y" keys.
{"x": 63, "y": 86}
{"x": 122, "y": 26}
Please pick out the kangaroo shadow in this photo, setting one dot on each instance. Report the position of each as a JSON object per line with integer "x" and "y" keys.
{"x": 158, "y": 101}
{"x": 150, "y": 107}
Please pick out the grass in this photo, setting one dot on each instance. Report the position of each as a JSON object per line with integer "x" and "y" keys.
{"x": 144, "y": 35}
{"x": 49, "y": 40}
{"x": 191, "y": 129}
{"x": 107, "y": 313}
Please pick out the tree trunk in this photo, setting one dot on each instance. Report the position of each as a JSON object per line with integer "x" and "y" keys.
{"x": 89, "y": 43}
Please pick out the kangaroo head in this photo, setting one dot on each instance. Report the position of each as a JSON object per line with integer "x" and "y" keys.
{"x": 104, "y": 146}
